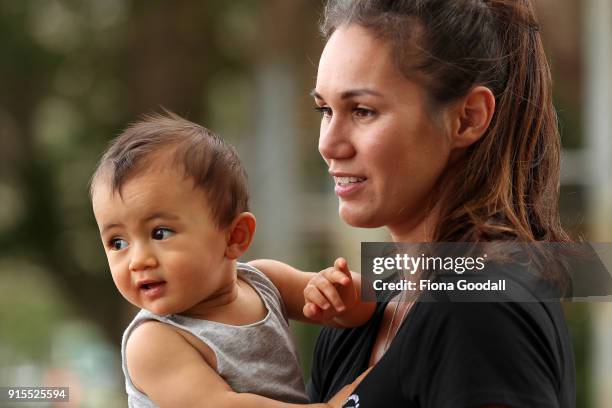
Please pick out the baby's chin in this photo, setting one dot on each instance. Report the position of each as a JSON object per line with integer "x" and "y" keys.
{"x": 157, "y": 308}
{"x": 162, "y": 311}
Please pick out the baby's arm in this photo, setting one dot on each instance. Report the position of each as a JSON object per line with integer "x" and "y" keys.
{"x": 172, "y": 373}
{"x": 340, "y": 301}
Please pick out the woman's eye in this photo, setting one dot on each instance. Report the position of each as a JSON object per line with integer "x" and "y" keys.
{"x": 363, "y": 112}
{"x": 161, "y": 233}
{"x": 117, "y": 244}
{"x": 325, "y": 111}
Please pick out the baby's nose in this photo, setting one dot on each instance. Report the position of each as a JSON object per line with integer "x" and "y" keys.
{"x": 142, "y": 258}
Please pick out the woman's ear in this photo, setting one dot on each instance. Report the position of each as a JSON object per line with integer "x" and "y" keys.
{"x": 473, "y": 115}
{"x": 239, "y": 235}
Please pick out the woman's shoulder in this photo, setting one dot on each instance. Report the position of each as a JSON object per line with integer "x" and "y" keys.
{"x": 519, "y": 336}
{"x": 516, "y": 349}
{"x": 493, "y": 319}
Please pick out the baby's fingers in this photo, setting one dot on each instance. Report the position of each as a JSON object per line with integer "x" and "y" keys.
{"x": 327, "y": 288}
{"x": 313, "y": 295}
{"x": 335, "y": 276}
{"x": 341, "y": 272}
{"x": 312, "y": 311}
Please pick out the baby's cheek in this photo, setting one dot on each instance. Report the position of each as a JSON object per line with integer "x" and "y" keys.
{"x": 116, "y": 280}
{"x": 121, "y": 279}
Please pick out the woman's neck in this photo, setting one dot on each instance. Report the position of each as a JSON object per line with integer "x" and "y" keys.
{"x": 421, "y": 231}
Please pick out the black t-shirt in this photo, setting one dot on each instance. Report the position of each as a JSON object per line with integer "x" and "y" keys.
{"x": 454, "y": 354}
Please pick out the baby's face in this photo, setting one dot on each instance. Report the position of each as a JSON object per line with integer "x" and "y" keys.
{"x": 165, "y": 252}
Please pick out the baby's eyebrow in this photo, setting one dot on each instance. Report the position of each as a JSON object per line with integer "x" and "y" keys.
{"x": 161, "y": 215}
{"x": 107, "y": 227}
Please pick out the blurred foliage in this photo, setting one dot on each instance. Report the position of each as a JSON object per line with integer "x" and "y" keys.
{"x": 24, "y": 321}
{"x": 74, "y": 73}
{"x": 579, "y": 324}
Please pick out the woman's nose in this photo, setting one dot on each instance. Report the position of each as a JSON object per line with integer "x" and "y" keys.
{"x": 142, "y": 258}
{"x": 335, "y": 141}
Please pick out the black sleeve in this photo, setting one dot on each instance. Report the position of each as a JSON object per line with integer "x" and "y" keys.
{"x": 473, "y": 354}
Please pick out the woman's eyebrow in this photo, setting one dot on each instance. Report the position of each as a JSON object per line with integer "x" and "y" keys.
{"x": 315, "y": 94}
{"x": 350, "y": 93}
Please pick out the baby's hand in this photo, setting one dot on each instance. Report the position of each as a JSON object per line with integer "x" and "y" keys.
{"x": 330, "y": 293}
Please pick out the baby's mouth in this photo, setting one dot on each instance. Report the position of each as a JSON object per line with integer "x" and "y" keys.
{"x": 152, "y": 289}
{"x": 150, "y": 285}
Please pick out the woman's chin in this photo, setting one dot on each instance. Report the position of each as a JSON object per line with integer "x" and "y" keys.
{"x": 356, "y": 218}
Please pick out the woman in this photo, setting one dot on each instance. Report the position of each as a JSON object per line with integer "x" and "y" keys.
{"x": 437, "y": 122}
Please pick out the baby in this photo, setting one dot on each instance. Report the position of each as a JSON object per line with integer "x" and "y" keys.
{"x": 171, "y": 202}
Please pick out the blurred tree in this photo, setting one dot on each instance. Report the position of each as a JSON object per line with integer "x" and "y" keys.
{"x": 33, "y": 169}
{"x": 73, "y": 74}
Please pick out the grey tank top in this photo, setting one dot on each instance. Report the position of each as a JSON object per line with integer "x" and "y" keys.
{"x": 258, "y": 358}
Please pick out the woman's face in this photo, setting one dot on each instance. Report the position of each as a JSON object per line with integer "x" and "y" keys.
{"x": 380, "y": 142}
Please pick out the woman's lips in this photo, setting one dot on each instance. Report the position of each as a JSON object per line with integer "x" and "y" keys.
{"x": 347, "y": 185}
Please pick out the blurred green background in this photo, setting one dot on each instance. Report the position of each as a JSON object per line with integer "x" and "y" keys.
{"x": 73, "y": 73}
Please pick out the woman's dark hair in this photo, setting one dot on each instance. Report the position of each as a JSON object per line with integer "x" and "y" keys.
{"x": 507, "y": 184}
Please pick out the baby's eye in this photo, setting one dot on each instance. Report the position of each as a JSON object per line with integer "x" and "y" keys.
{"x": 161, "y": 233}
{"x": 117, "y": 244}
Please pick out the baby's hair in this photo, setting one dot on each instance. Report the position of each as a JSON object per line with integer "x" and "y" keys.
{"x": 206, "y": 158}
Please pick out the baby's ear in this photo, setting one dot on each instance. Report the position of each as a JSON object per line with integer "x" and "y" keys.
{"x": 239, "y": 235}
